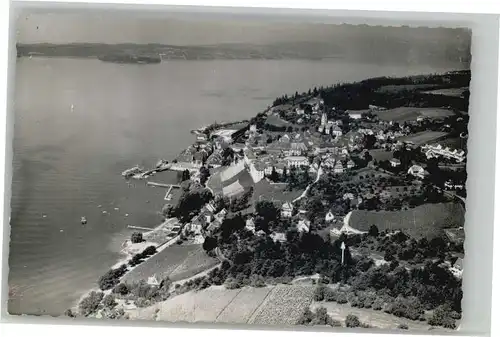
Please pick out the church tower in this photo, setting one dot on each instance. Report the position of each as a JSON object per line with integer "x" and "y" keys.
{"x": 324, "y": 119}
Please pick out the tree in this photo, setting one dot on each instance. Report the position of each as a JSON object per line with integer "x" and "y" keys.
{"x": 136, "y": 237}
{"x": 109, "y": 301}
{"x": 442, "y": 316}
{"x": 352, "y": 321}
{"x": 111, "y": 278}
{"x": 388, "y": 256}
{"x": 227, "y": 156}
{"x": 210, "y": 243}
{"x": 373, "y": 231}
{"x": 369, "y": 141}
{"x": 319, "y": 293}
{"x": 69, "y": 313}
{"x": 307, "y": 317}
{"x": 231, "y": 225}
{"x": 204, "y": 174}
{"x": 150, "y": 250}
{"x": 267, "y": 210}
{"x": 274, "y": 175}
{"x": 167, "y": 211}
{"x": 185, "y": 175}
{"x": 90, "y": 304}
{"x": 314, "y": 207}
{"x": 121, "y": 289}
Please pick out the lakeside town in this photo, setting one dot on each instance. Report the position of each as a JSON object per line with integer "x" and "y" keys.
{"x": 341, "y": 206}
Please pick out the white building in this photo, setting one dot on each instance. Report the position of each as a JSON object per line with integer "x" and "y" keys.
{"x": 154, "y": 280}
{"x": 349, "y": 196}
{"x": 366, "y": 131}
{"x": 417, "y": 171}
{"x": 287, "y": 210}
{"x": 339, "y": 168}
{"x": 355, "y": 115}
{"x": 296, "y": 161}
{"x": 395, "y": 162}
{"x": 297, "y": 149}
{"x": 434, "y": 151}
{"x": 336, "y": 131}
{"x": 278, "y": 237}
{"x": 329, "y": 163}
{"x": 303, "y": 226}
{"x": 257, "y": 171}
{"x": 329, "y": 216}
{"x": 250, "y": 225}
{"x": 376, "y": 108}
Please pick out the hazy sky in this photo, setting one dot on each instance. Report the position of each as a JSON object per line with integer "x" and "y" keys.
{"x": 110, "y": 27}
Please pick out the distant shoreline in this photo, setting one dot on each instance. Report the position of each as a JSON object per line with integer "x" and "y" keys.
{"x": 223, "y": 52}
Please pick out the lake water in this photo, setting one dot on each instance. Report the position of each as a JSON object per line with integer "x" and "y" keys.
{"x": 68, "y": 163}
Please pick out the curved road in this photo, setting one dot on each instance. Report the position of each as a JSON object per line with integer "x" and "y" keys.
{"x": 320, "y": 172}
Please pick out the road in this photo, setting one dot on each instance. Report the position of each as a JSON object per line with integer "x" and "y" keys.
{"x": 320, "y": 172}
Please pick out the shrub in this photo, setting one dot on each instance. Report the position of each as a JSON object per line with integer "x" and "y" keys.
{"x": 442, "y": 316}
{"x": 373, "y": 231}
{"x": 232, "y": 283}
{"x": 406, "y": 307}
{"x": 321, "y": 317}
{"x": 90, "y": 304}
{"x": 204, "y": 284}
{"x": 356, "y": 303}
{"x": 342, "y": 298}
{"x": 111, "y": 278}
{"x": 109, "y": 301}
{"x": 257, "y": 281}
{"x": 330, "y": 295}
{"x": 319, "y": 293}
{"x": 336, "y": 323}
{"x": 69, "y": 313}
{"x": 136, "y": 237}
{"x": 368, "y": 303}
{"x": 121, "y": 289}
{"x": 144, "y": 290}
{"x": 378, "y": 304}
{"x": 352, "y": 321}
{"x": 306, "y": 318}
{"x": 138, "y": 258}
{"x": 151, "y": 250}
{"x": 142, "y": 302}
{"x": 114, "y": 313}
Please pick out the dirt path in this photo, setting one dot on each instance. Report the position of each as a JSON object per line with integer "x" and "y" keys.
{"x": 201, "y": 274}
{"x": 348, "y": 229}
{"x": 304, "y": 194}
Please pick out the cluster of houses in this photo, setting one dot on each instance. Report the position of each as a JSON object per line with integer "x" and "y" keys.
{"x": 299, "y": 150}
{"x": 435, "y": 151}
{"x": 207, "y": 221}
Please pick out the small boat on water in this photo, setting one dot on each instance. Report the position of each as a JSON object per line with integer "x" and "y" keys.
{"x": 84, "y": 220}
